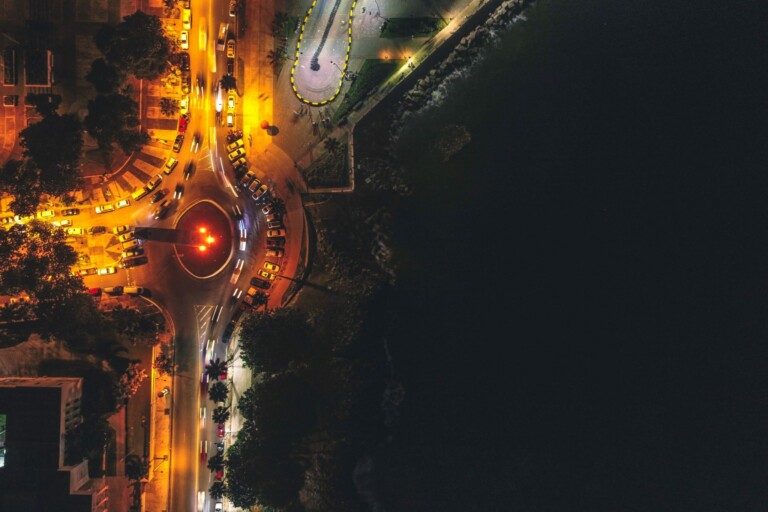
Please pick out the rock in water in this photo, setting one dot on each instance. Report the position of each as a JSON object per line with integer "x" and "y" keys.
{"x": 450, "y": 141}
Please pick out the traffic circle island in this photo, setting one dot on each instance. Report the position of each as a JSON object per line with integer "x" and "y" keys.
{"x": 206, "y": 245}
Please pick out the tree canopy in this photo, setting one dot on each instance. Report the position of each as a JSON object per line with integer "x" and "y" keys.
{"x": 218, "y": 392}
{"x": 54, "y": 145}
{"x": 105, "y": 77}
{"x": 271, "y": 339}
{"x": 113, "y": 118}
{"x": 45, "y": 104}
{"x": 21, "y": 179}
{"x": 137, "y": 45}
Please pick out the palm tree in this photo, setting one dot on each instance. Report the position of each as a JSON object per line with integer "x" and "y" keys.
{"x": 260, "y": 299}
{"x": 136, "y": 468}
{"x": 332, "y": 145}
{"x": 169, "y": 107}
{"x": 278, "y": 206}
{"x": 215, "y": 368}
{"x": 217, "y": 490}
{"x": 228, "y": 82}
{"x": 215, "y": 462}
{"x": 220, "y": 415}
{"x": 276, "y": 57}
{"x": 218, "y": 392}
{"x": 279, "y": 22}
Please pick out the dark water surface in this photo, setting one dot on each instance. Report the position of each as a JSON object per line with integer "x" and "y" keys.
{"x": 583, "y": 316}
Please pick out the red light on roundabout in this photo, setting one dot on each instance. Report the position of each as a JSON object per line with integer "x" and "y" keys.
{"x": 202, "y": 248}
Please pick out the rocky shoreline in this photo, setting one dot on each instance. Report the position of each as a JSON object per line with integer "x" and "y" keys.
{"x": 466, "y": 53}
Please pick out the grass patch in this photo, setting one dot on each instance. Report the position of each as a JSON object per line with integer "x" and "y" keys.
{"x": 418, "y": 27}
{"x": 370, "y": 76}
{"x": 330, "y": 170}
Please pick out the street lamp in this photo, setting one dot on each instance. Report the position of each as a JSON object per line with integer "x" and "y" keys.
{"x": 343, "y": 73}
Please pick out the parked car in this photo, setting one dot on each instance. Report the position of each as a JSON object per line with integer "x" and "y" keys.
{"x": 162, "y": 210}
{"x": 272, "y": 267}
{"x": 121, "y": 229}
{"x": 178, "y": 191}
{"x": 91, "y": 271}
{"x": 237, "y": 144}
{"x": 260, "y": 283}
{"x": 275, "y": 224}
{"x": 122, "y": 203}
{"x": 130, "y": 253}
{"x": 267, "y": 275}
{"x": 254, "y": 185}
{"x": 71, "y": 211}
{"x": 62, "y": 223}
{"x": 183, "y": 123}
{"x": 130, "y": 244}
{"x": 230, "y": 102}
{"x": 170, "y": 165}
{"x": 260, "y": 193}
{"x": 234, "y": 155}
{"x": 230, "y": 120}
{"x": 230, "y": 66}
{"x": 231, "y": 49}
{"x": 104, "y": 208}
{"x": 220, "y": 433}
{"x": 158, "y": 195}
{"x": 46, "y": 214}
{"x": 275, "y": 233}
{"x": 177, "y": 143}
{"x": 95, "y": 230}
{"x": 94, "y": 291}
{"x": 154, "y": 182}
{"x": 268, "y": 208}
{"x": 107, "y": 270}
{"x": 186, "y": 83}
{"x": 240, "y": 171}
{"x": 114, "y": 290}
{"x": 186, "y": 19}
{"x": 134, "y": 290}
{"x": 275, "y": 253}
{"x": 275, "y": 242}
{"x": 75, "y": 231}
{"x": 232, "y": 8}
{"x": 135, "y": 262}
{"x": 184, "y": 40}
{"x": 272, "y": 217}
{"x": 126, "y": 237}
{"x": 164, "y": 392}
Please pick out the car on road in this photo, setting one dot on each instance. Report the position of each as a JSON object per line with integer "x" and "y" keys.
{"x": 275, "y": 253}
{"x": 266, "y": 275}
{"x": 272, "y": 267}
{"x": 260, "y": 283}
{"x": 158, "y": 195}
{"x": 178, "y": 192}
{"x": 260, "y": 193}
{"x": 126, "y": 237}
{"x": 161, "y": 211}
{"x": 203, "y": 414}
{"x": 189, "y": 169}
{"x": 122, "y": 203}
{"x": 113, "y": 290}
{"x": 243, "y": 235}
{"x": 46, "y": 214}
{"x": 62, "y": 223}
{"x": 105, "y": 208}
{"x": 121, "y": 229}
{"x": 234, "y": 155}
{"x": 200, "y": 85}
{"x": 186, "y": 19}
{"x": 220, "y": 433}
{"x": 177, "y": 143}
{"x": 230, "y": 102}
{"x": 275, "y": 233}
{"x": 95, "y": 230}
{"x": 184, "y": 60}
{"x": 75, "y": 231}
{"x": 135, "y": 262}
{"x": 184, "y": 40}
{"x": 107, "y": 270}
{"x": 203, "y": 449}
{"x": 237, "y": 213}
{"x": 236, "y": 294}
{"x": 154, "y": 182}
{"x": 195, "y": 143}
{"x": 170, "y": 165}
{"x": 231, "y": 49}
{"x": 71, "y": 211}
{"x": 237, "y": 144}
{"x": 130, "y": 253}
{"x": 237, "y": 270}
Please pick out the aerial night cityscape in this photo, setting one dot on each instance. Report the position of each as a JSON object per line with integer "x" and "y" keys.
{"x": 383, "y": 256}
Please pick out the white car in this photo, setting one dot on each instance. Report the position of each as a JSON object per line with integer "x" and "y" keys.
{"x": 122, "y": 203}
{"x": 231, "y": 102}
{"x": 46, "y": 214}
{"x": 76, "y": 231}
{"x": 184, "y": 105}
{"x": 104, "y": 208}
{"x": 243, "y": 236}
{"x": 62, "y": 223}
{"x": 107, "y": 270}
{"x": 230, "y": 119}
{"x": 219, "y": 507}
{"x": 184, "y": 40}
{"x": 219, "y": 99}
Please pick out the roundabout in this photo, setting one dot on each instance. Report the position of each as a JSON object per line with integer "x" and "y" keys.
{"x": 206, "y": 245}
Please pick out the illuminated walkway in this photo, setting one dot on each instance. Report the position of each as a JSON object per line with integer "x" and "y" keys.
{"x": 322, "y": 51}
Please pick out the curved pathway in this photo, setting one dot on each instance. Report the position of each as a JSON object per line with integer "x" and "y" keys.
{"x": 322, "y": 52}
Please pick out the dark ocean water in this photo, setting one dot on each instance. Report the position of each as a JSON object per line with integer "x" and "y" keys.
{"x": 582, "y": 318}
